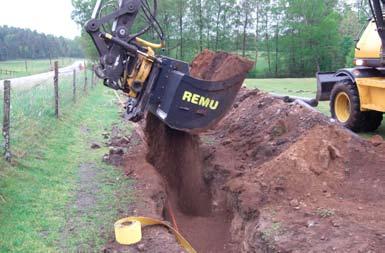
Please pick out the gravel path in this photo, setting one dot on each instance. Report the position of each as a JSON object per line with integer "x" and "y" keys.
{"x": 27, "y": 82}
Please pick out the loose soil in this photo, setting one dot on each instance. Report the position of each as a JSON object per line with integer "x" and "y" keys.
{"x": 271, "y": 177}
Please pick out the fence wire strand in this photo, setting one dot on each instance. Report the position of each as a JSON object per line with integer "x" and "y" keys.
{"x": 1, "y": 119}
{"x": 33, "y": 110}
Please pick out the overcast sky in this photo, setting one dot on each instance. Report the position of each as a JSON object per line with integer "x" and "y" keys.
{"x": 46, "y": 16}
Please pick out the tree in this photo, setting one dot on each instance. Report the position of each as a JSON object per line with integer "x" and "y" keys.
{"x": 293, "y": 37}
{"x": 313, "y": 36}
{"x": 246, "y": 7}
{"x": 181, "y": 7}
{"x": 81, "y": 14}
{"x": 17, "y": 43}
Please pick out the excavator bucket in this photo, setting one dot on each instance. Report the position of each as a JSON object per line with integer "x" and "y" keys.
{"x": 191, "y": 104}
{"x": 190, "y": 100}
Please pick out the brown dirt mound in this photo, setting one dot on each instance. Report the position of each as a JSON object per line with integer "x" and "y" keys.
{"x": 219, "y": 66}
{"x": 261, "y": 126}
{"x": 322, "y": 194}
{"x": 276, "y": 177}
{"x": 295, "y": 181}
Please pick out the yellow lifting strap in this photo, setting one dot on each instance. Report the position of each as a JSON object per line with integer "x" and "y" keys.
{"x": 129, "y": 231}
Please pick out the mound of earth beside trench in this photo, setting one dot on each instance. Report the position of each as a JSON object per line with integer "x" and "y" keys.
{"x": 271, "y": 177}
{"x": 281, "y": 178}
{"x": 295, "y": 181}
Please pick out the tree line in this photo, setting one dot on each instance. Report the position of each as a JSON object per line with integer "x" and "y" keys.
{"x": 286, "y": 38}
{"x": 17, "y": 43}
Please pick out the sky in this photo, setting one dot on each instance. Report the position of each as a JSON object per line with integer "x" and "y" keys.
{"x": 45, "y": 16}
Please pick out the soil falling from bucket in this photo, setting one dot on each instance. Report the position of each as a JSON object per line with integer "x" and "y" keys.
{"x": 178, "y": 157}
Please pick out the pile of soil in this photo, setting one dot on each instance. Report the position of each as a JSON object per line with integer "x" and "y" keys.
{"x": 219, "y": 66}
{"x": 295, "y": 181}
{"x": 271, "y": 177}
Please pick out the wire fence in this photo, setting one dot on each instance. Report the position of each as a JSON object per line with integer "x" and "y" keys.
{"x": 33, "y": 110}
{"x": 5, "y": 73}
{"x": 20, "y": 68}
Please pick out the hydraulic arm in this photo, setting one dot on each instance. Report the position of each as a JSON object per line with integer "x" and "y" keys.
{"x": 157, "y": 84}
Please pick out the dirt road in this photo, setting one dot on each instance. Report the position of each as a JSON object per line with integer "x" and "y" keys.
{"x": 27, "y": 82}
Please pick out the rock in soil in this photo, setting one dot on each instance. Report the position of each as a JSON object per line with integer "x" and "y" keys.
{"x": 95, "y": 145}
{"x": 377, "y": 140}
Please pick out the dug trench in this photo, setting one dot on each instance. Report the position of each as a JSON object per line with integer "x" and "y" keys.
{"x": 270, "y": 177}
{"x": 179, "y": 159}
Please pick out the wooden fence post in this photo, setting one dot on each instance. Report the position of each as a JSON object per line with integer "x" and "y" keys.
{"x": 56, "y": 87}
{"x": 74, "y": 85}
{"x": 6, "y": 120}
{"x": 93, "y": 76}
{"x": 85, "y": 77}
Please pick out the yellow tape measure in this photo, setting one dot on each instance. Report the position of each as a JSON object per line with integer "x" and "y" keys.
{"x": 128, "y": 231}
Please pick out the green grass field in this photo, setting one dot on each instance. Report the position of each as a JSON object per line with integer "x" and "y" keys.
{"x": 299, "y": 87}
{"x": 262, "y": 62}
{"x": 33, "y": 67}
{"x": 39, "y": 194}
{"x": 261, "y": 68}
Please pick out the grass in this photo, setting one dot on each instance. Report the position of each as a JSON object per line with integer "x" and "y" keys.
{"x": 39, "y": 190}
{"x": 261, "y": 68}
{"x": 300, "y": 87}
{"x": 325, "y": 213}
{"x": 268, "y": 234}
{"x": 33, "y": 67}
{"x": 273, "y": 230}
{"x": 33, "y": 110}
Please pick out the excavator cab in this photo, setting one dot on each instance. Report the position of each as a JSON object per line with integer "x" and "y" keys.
{"x": 369, "y": 49}
{"x": 357, "y": 95}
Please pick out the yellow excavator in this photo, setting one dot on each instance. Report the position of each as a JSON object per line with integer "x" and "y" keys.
{"x": 357, "y": 95}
